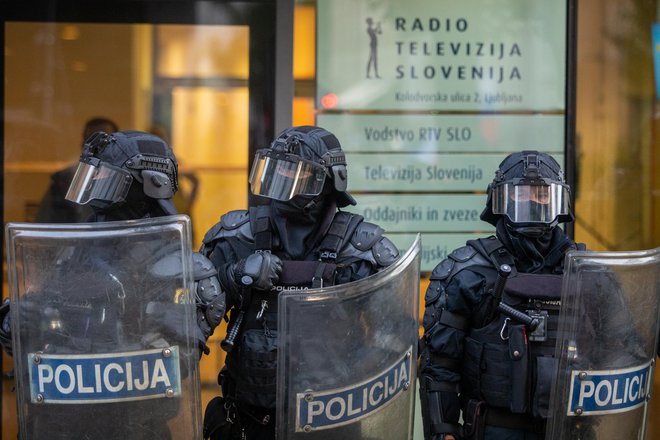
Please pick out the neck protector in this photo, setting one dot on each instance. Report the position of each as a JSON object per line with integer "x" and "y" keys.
{"x": 301, "y": 222}
{"x": 534, "y": 253}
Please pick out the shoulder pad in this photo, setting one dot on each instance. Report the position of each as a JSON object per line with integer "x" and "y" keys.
{"x": 202, "y": 267}
{"x": 433, "y": 292}
{"x": 348, "y": 215}
{"x": 234, "y": 219}
{"x": 459, "y": 259}
{"x": 211, "y": 234}
{"x": 442, "y": 270}
{"x": 229, "y": 221}
{"x": 385, "y": 252}
{"x": 366, "y": 235}
{"x": 462, "y": 254}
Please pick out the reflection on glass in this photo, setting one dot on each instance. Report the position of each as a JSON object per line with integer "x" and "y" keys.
{"x": 202, "y": 51}
{"x": 59, "y": 75}
{"x": 187, "y": 82}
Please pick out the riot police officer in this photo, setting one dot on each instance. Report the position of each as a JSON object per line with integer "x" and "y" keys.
{"x": 129, "y": 175}
{"x": 125, "y": 175}
{"x": 489, "y": 340}
{"x": 297, "y": 241}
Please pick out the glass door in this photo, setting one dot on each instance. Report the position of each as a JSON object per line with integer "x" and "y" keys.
{"x": 202, "y": 75}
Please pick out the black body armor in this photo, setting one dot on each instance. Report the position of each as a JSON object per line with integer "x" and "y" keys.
{"x": 350, "y": 249}
{"x": 485, "y": 355}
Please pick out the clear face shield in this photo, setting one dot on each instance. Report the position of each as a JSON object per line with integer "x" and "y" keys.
{"x": 282, "y": 176}
{"x": 99, "y": 182}
{"x": 525, "y": 203}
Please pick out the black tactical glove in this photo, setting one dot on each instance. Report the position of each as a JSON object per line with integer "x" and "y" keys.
{"x": 5, "y": 328}
{"x": 260, "y": 270}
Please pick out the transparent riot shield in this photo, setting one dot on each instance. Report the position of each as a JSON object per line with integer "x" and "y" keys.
{"x": 102, "y": 320}
{"x": 606, "y": 347}
{"x": 347, "y": 357}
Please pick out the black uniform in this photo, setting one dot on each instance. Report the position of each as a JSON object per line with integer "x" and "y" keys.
{"x": 495, "y": 368}
{"x": 305, "y": 242}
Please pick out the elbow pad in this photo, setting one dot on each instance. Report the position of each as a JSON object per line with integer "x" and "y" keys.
{"x": 209, "y": 297}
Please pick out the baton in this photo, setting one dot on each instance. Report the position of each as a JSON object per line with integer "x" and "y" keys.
{"x": 228, "y": 344}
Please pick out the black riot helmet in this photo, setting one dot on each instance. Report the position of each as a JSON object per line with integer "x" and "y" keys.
{"x": 529, "y": 191}
{"x": 301, "y": 161}
{"x": 130, "y": 170}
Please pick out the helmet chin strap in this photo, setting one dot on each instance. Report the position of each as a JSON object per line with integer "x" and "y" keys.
{"x": 124, "y": 211}
{"x": 314, "y": 203}
{"x": 136, "y": 205}
{"x": 310, "y": 206}
{"x": 530, "y": 230}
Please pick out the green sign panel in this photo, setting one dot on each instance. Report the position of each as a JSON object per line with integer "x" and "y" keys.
{"x": 403, "y": 213}
{"x": 441, "y": 55}
{"x": 426, "y": 172}
{"x": 430, "y": 172}
{"x": 445, "y": 133}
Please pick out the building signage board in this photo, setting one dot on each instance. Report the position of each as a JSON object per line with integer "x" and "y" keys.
{"x": 427, "y": 97}
{"x": 444, "y": 133}
{"x": 429, "y": 54}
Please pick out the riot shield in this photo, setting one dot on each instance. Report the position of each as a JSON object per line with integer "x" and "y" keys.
{"x": 102, "y": 319}
{"x": 347, "y": 357}
{"x": 606, "y": 346}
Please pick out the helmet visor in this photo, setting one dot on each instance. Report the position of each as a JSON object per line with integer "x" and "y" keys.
{"x": 282, "y": 176}
{"x": 531, "y": 203}
{"x": 100, "y": 182}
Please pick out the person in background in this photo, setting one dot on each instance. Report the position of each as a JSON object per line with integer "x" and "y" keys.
{"x": 54, "y": 208}
{"x": 477, "y": 356}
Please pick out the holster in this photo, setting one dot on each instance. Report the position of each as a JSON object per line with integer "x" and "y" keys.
{"x": 519, "y": 356}
{"x": 215, "y": 419}
{"x": 474, "y": 420}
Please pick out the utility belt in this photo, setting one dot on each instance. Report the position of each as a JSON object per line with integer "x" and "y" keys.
{"x": 508, "y": 366}
{"x": 243, "y": 413}
{"x": 477, "y": 415}
{"x": 506, "y": 419}
{"x": 225, "y": 418}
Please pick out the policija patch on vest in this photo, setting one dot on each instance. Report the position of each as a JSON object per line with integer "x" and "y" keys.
{"x": 599, "y": 392}
{"x": 104, "y": 377}
{"x": 341, "y": 406}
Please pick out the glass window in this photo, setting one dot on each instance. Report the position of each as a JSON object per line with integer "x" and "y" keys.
{"x": 201, "y": 87}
